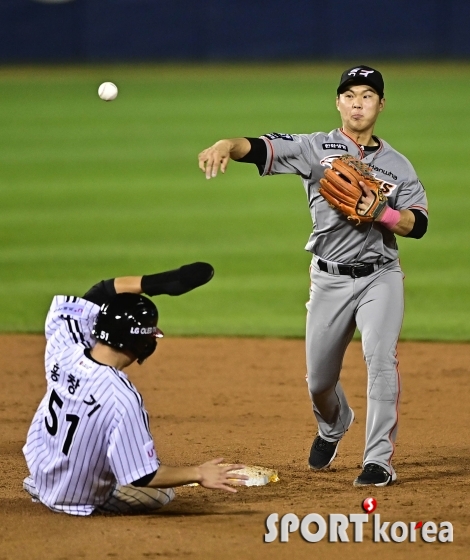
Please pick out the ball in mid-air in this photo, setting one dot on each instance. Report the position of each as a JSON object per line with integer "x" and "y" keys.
{"x": 108, "y": 91}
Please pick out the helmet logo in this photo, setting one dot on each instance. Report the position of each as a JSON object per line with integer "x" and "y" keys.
{"x": 143, "y": 330}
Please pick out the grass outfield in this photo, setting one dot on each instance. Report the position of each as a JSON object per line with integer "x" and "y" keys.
{"x": 91, "y": 190}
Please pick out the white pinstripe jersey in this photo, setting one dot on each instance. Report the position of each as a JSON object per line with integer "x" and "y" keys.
{"x": 91, "y": 428}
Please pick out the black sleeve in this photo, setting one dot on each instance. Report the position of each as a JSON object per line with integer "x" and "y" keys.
{"x": 144, "y": 480}
{"x": 420, "y": 226}
{"x": 257, "y": 154}
{"x": 100, "y": 293}
{"x": 178, "y": 281}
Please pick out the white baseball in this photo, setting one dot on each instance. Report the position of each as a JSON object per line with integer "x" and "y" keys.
{"x": 108, "y": 91}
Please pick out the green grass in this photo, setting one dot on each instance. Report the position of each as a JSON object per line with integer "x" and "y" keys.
{"x": 91, "y": 190}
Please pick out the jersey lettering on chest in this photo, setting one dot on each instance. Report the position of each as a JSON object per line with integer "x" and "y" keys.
{"x": 383, "y": 171}
{"x": 334, "y": 146}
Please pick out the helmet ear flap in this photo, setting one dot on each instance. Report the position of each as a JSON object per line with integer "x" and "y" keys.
{"x": 147, "y": 351}
{"x": 128, "y": 322}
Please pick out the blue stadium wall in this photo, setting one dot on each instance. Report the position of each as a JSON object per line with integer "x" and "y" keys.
{"x": 217, "y": 30}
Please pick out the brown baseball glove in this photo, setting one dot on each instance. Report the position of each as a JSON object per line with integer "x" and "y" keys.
{"x": 341, "y": 189}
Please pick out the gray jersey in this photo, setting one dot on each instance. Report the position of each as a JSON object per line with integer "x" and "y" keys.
{"x": 334, "y": 238}
{"x": 91, "y": 429}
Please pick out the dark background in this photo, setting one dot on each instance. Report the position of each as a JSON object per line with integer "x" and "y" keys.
{"x": 220, "y": 30}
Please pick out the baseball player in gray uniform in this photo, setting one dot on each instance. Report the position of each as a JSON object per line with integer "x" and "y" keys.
{"x": 89, "y": 447}
{"x": 356, "y": 279}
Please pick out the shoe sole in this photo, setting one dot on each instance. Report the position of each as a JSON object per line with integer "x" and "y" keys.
{"x": 389, "y": 482}
{"x": 336, "y": 449}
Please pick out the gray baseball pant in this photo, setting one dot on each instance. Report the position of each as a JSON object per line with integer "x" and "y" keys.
{"x": 337, "y": 304}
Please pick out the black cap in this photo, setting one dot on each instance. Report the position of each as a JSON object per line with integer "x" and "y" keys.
{"x": 361, "y": 75}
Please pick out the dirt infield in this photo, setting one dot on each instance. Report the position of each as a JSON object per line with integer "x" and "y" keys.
{"x": 246, "y": 400}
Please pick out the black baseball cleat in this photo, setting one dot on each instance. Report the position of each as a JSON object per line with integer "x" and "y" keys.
{"x": 322, "y": 453}
{"x": 374, "y": 475}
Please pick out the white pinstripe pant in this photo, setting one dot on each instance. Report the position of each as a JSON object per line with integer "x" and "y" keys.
{"x": 123, "y": 499}
{"x": 130, "y": 499}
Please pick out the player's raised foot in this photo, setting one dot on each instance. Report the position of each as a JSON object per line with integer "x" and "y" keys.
{"x": 374, "y": 475}
{"x": 322, "y": 453}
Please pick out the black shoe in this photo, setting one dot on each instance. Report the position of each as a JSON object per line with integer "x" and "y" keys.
{"x": 374, "y": 475}
{"x": 322, "y": 453}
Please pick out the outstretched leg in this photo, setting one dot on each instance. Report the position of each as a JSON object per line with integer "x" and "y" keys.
{"x": 132, "y": 499}
{"x": 123, "y": 499}
{"x": 330, "y": 327}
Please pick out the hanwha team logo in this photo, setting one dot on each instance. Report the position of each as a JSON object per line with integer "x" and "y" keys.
{"x": 360, "y": 72}
{"x": 328, "y": 160}
{"x": 385, "y": 186}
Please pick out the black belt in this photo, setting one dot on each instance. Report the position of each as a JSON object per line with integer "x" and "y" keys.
{"x": 353, "y": 270}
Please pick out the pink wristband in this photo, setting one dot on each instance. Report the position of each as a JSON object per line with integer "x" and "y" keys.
{"x": 390, "y": 218}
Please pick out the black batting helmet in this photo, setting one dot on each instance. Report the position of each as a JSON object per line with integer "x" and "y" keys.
{"x": 128, "y": 322}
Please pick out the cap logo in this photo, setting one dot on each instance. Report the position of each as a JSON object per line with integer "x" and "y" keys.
{"x": 360, "y": 72}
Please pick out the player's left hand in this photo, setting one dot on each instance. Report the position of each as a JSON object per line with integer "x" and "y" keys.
{"x": 217, "y": 477}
